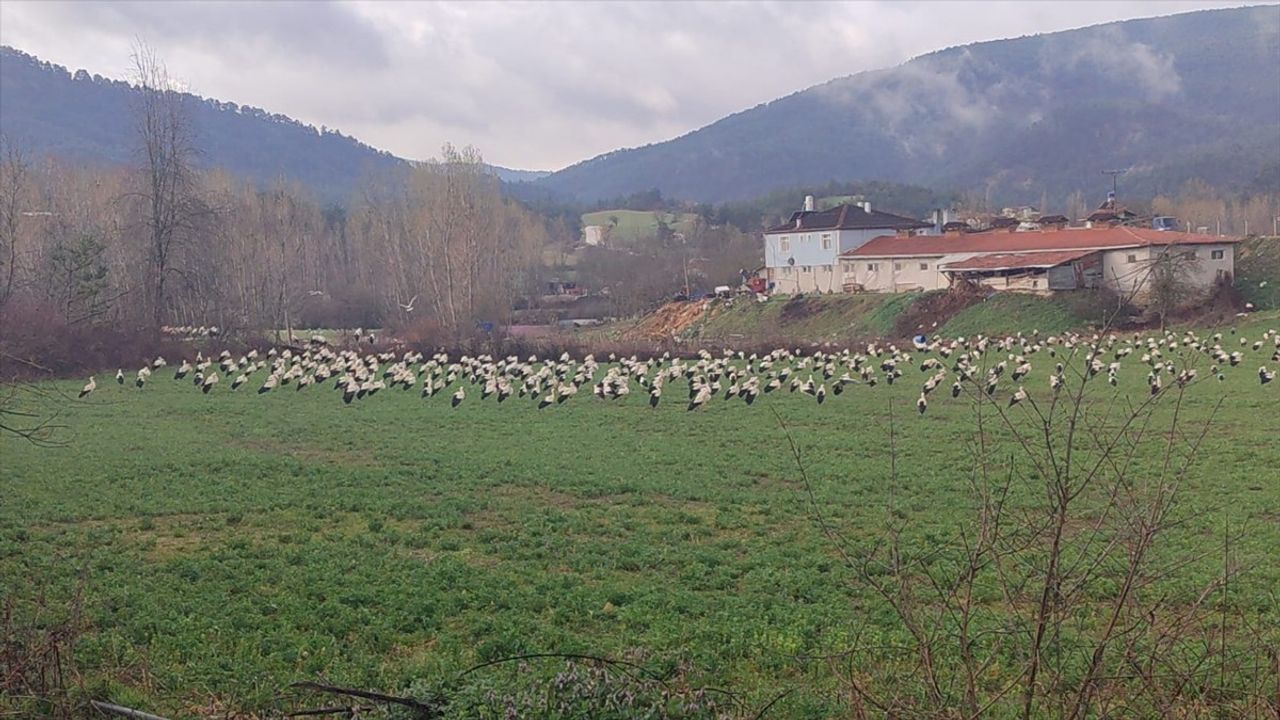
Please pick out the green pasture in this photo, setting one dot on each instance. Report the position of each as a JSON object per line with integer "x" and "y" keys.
{"x": 230, "y": 544}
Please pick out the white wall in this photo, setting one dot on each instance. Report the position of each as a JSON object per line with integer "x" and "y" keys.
{"x": 817, "y": 268}
{"x": 1127, "y": 271}
{"x": 808, "y": 279}
{"x": 894, "y": 274}
{"x": 805, "y": 247}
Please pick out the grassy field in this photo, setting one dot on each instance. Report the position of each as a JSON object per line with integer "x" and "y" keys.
{"x": 815, "y": 317}
{"x": 227, "y": 545}
{"x": 1258, "y": 272}
{"x": 1008, "y": 312}
{"x": 868, "y": 315}
{"x": 638, "y": 225}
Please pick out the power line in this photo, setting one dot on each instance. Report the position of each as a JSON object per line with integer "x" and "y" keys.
{"x": 1114, "y": 185}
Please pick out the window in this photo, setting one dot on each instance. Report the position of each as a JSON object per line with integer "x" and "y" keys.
{"x": 826, "y": 242}
{"x": 1035, "y": 283}
{"x": 806, "y": 268}
{"x": 872, "y": 267}
{"x": 1217, "y": 254}
{"x": 786, "y": 272}
{"x": 924, "y": 266}
{"x": 897, "y": 266}
{"x": 1131, "y": 259}
{"x": 1189, "y": 254}
{"x": 784, "y": 244}
{"x": 826, "y": 268}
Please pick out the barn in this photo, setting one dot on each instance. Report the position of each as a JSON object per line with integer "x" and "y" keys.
{"x": 1037, "y": 261}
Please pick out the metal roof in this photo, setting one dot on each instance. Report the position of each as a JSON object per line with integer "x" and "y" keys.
{"x": 1108, "y": 238}
{"x": 1017, "y": 261}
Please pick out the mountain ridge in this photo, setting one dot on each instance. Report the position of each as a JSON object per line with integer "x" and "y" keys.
{"x": 48, "y": 108}
{"x": 1132, "y": 75}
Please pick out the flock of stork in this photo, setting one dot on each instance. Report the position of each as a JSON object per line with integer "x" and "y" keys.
{"x": 985, "y": 362}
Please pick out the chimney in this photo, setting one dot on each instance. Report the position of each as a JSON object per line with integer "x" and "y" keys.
{"x": 808, "y": 203}
{"x": 866, "y": 206}
{"x": 939, "y": 219}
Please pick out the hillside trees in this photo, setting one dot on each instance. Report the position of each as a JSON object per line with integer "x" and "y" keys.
{"x": 453, "y": 248}
{"x": 107, "y": 246}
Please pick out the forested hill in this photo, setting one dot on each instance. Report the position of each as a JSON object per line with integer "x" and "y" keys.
{"x": 49, "y": 110}
{"x": 1186, "y": 96}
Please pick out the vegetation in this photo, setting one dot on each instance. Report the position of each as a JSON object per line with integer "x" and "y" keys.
{"x": 814, "y": 317}
{"x": 114, "y": 251}
{"x": 1010, "y": 312}
{"x": 635, "y": 226}
{"x": 1258, "y": 272}
{"x": 224, "y": 546}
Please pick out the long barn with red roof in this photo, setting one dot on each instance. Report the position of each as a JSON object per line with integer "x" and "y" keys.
{"x": 1121, "y": 258}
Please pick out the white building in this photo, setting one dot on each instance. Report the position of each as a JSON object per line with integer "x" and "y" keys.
{"x": 593, "y": 235}
{"x": 1040, "y": 261}
{"x": 802, "y": 254}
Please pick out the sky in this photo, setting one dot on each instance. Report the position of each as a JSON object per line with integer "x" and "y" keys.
{"x": 531, "y": 85}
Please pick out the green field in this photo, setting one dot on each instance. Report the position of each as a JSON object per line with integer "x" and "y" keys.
{"x": 227, "y": 545}
{"x": 1011, "y": 312}
{"x": 638, "y": 225}
{"x": 843, "y": 316}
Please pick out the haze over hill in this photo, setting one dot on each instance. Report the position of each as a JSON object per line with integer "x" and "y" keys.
{"x": 1172, "y": 98}
{"x": 49, "y": 110}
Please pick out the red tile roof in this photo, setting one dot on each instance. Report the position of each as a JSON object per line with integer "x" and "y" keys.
{"x": 1011, "y": 261}
{"x": 847, "y": 217}
{"x": 1032, "y": 241}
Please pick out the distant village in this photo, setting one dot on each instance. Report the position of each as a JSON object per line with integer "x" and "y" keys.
{"x": 853, "y": 247}
{"x": 857, "y": 248}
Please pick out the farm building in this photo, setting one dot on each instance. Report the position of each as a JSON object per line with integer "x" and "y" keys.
{"x": 802, "y": 254}
{"x": 593, "y": 235}
{"x": 1038, "y": 261}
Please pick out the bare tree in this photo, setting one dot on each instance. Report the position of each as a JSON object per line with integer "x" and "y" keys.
{"x": 169, "y": 190}
{"x": 1169, "y": 280}
{"x": 1052, "y": 601}
{"x": 13, "y": 180}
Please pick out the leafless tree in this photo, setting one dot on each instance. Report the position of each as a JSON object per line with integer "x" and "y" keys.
{"x": 1169, "y": 279}
{"x": 13, "y": 182}
{"x": 1052, "y": 601}
{"x": 171, "y": 204}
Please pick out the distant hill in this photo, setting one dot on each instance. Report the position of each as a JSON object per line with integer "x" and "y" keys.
{"x": 1194, "y": 95}
{"x": 48, "y": 109}
{"x": 517, "y": 176}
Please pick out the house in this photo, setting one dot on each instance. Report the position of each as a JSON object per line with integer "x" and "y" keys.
{"x": 801, "y": 255}
{"x": 593, "y": 235}
{"x": 1037, "y": 261}
{"x": 1111, "y": 212}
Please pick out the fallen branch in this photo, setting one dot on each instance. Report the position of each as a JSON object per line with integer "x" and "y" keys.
{"x": 122, "y": 711}
{"x": 350, "y": 711}
{"x": 365, "y": 694}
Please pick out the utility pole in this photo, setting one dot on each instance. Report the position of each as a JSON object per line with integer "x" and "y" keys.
{"x": 1114, "y": 183}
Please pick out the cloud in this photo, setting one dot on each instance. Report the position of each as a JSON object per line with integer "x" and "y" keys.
{"x": 1126, "y": 62}
{"x": 536, "y": 85}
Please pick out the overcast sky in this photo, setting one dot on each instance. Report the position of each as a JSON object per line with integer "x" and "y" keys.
{"x": 532, "y": 85}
